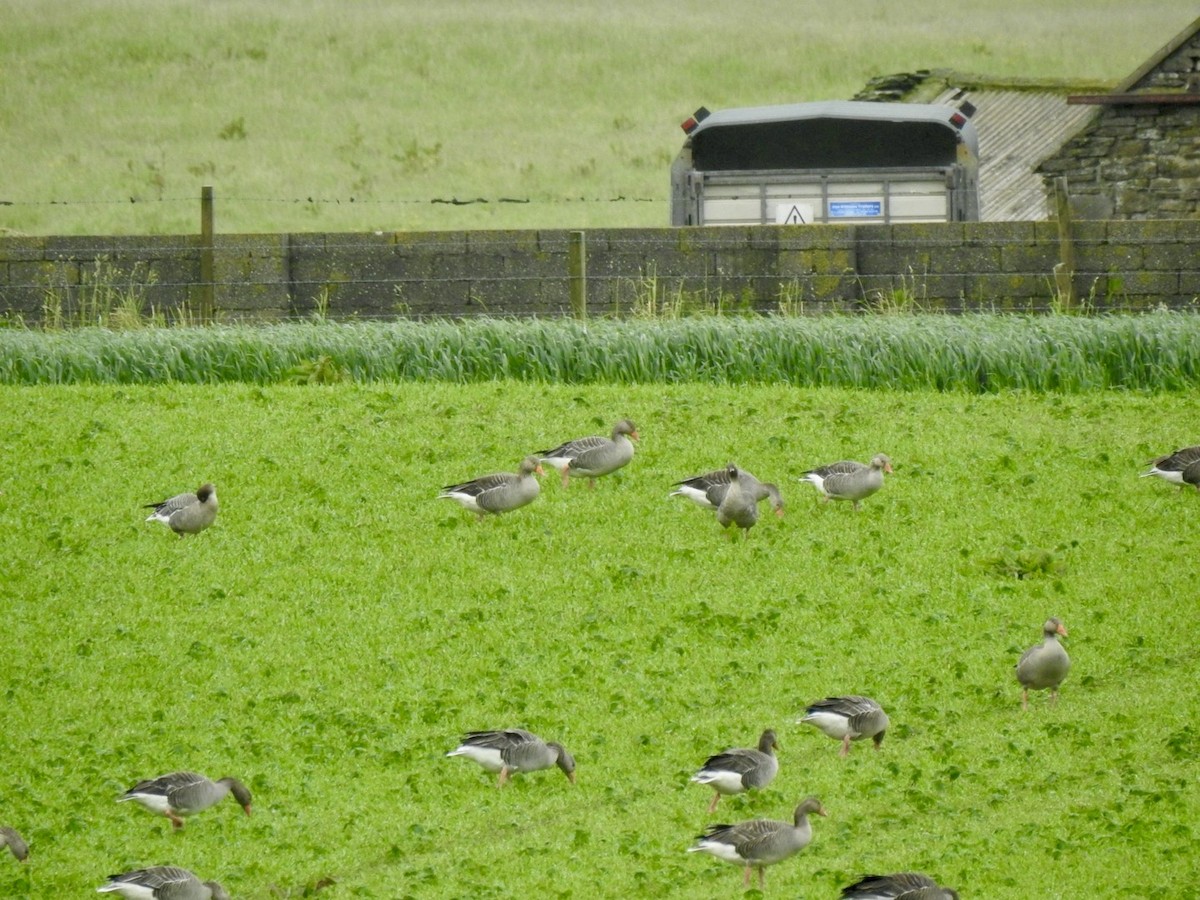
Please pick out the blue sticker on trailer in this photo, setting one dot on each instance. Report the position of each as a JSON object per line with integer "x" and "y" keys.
{"x": 855, "y": 209}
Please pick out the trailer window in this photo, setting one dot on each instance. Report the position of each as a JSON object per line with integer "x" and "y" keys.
{"x": 824, "y": 144}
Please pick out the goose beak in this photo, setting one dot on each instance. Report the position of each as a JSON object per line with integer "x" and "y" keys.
{"x": 1062, "y": 629}
{"x": 539, "y": 470}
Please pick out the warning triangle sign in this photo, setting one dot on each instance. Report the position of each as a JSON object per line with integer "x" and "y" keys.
{"x": 794, "y": 216}
{"x": 793, "y": 213}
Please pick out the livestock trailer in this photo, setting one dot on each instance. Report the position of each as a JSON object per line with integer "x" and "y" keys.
{"x": 829, "y": 161}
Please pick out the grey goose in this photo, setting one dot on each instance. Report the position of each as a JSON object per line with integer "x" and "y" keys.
{"x": 14, "y": 842}
{"x": 499, "y": 493}
{"x": 739, "y": 506}
{"x": 186, "y": 513}
{"x": 846, "y": 719}
{"x": 182, "y": 794}
{"x": 741, "y": 769}
{"x": 708, "y": 490}
{"x": 512, "y": 751}
{"x": 162, "y": 883}
{"x": 592, "y": 457}
{"x": 898, "y": 886}
{"x": 1044, "y": 666}
{"x": 759, "y": 843}
{"x": 1181, "y": 467}
{"x": 849, "y": 480}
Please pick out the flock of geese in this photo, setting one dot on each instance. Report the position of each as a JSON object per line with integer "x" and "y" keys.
{"x": 174, "y": 796}
{"x": 758, "y": 843}
{"x": 734, "y": 495}
{"x": 732, "y": 492}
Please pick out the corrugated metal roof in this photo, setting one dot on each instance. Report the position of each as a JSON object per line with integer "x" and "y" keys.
{"x": 1019, "y": 123}
{"x": 1018, "y": 129}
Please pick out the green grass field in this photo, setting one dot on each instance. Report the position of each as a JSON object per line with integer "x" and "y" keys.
{"x": 338, "y": 628}
{"x": 330, "y": 638}
{"x": 291, "y": 110}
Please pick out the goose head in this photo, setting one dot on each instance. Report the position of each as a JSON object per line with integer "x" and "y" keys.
{"x": 531, "y": 465}
{"x": 564, "y": 760}
{"x": 625, "y": 426}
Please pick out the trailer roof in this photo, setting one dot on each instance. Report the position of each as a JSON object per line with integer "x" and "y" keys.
{"x": 856, "y": 110}
{"x": 844, "y": 109}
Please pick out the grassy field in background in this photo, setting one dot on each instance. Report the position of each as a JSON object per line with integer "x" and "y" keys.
{"x": 291, "y": 110}
{"x": 338, "y": 628}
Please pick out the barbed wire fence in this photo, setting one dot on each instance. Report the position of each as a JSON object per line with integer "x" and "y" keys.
{"x": 348, "y": 201}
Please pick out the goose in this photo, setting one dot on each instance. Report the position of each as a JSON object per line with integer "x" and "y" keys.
{"x": 759, "y": 843}
{"x": 186, "y": 513}
{"x": 900, "y": 886}
{"x": 512, "y": 751}
{"x": 498, "y": 493}
{"x": 14, "y": 842}
{"x": 591, "y": 457}
{"x": 739, "y": 770}
{"x": 708, "y": 490}
{"x": 738, "y": 507}
{"x": 184, "y": 794}
{"x": 847, "y": 719}
{"x": 849, "y": 480}
{"x": 1045, "y": 665}
{"x": 162, "y": 883}
{"x": 1181, "y": 467}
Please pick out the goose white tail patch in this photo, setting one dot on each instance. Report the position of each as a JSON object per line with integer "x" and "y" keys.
{"x": 721, "y": 782}
{"x": 718, "y": 849}
{"x": 696, "y": 495}
{"x": 487, "y": 757}
{"x": 465, "y": 500}
{"x": 153, "y": 802}
{"x": 1173, "y": 477}
{"x": 832, "y": 724}
{"x": 129, "y": 891}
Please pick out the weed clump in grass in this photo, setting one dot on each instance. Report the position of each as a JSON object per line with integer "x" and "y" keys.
{"x": 1022, "y": 564}
{"x": 321, "y": 370}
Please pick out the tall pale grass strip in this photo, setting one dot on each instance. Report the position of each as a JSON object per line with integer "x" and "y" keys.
{"x": 1157, "y": 351}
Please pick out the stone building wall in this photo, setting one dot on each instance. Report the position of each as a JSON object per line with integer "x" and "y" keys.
{"x": 1139, "y": 160}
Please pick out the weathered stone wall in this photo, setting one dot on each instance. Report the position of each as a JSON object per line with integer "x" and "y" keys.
{"x": 1139, "y": 161}
{"x": 954, "y": 266}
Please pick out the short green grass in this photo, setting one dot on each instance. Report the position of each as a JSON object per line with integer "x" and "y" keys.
{"x": 318, "y": 115}
{"x": 338, "y": 628}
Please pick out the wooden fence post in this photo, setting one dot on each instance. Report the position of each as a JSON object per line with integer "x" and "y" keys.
{"x": 1064, "y": 272}
{"x": 206, "y": 304}
{"x": 577, "y": 273}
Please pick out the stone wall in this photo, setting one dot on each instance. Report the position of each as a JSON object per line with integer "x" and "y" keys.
{"x": 1139, "y": 160}
{"x": 953, "y": 266}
